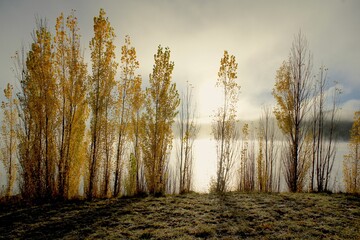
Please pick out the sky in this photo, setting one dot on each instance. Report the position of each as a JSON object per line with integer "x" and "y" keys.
{"x": 258, "y": 33}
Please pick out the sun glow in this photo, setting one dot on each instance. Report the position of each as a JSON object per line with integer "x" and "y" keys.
{"x": 210, "y": 98}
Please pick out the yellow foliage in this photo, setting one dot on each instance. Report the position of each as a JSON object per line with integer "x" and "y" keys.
{"x": 39, "y": 154}
{"x": 284, "y": 98}
{"x": 161, "y": 102}
{"x": 224, "y": 124}
{"x": 351, "y": 162}
{"x": 9, "y": 139}
{"x": 129, "y": 104}
{"x": 71, "y": 75}
{"x": 101, "y": 101}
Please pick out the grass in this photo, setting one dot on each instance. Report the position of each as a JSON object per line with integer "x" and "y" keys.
{"x": 191, "y": 216}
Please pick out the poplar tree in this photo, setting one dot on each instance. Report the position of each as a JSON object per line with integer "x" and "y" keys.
{"x": 188, "y": 130}
{"x": 9, "y": 139}
{"x": 243, "y": 183}
{"x": 129, "y": 88}
{"x": 224, "y": 125}
{"x": 42, "y": 104}
{"x": 101, "y": 100}
{"x": 246, "y": 171}
{"x": 323, "y": 129}
{"x": 27, "y": 164}
{"x": 351, "y": 162}
{"x": 161, "y": 102}
{"x": 71, "y": 77}
{"x": 268, "y": 152}
{"x": 291, "y": 92}
{"x": 137, "y": 103}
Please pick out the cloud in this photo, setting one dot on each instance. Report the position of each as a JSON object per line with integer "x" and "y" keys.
{"x": 348, "y": 109}
{"x": 258, "y": 33}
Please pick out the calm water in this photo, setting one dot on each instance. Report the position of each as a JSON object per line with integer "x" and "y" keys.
{"x": 205, "y": 166}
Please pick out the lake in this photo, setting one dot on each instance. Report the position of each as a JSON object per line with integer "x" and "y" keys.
{"x": 205, "y": 166}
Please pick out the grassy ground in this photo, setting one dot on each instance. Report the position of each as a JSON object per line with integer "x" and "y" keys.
{"x": 233, "y": 216}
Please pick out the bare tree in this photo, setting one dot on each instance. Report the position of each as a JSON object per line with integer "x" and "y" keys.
{"x": 270, "y": 149}
{"x": 323, "y": 133}
{"x": 246, "y": 172}
{"x": 188, "y": 129}
{"x": 243, "y": 157}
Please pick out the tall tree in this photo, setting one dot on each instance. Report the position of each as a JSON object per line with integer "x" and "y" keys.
{"x": 351, "y": 161}
{"x": 137, "y": 103}
{"x": 268, "y": 149}
{"x": 291, "y": 93}
{"x": 224, "y": 125}
{"x": 161, "y": 102}
{"x": 188, "y": 130}
{"x": 246, "y": 171}
{"x": 243, "y": 157}
{"x": 108, "y": 139}
{"x": 129, "y": 102}
{"x": 323, "y": 133}
{"x": 42, "y": 103}
{"x": 9, "y": 139}
{"x": 101, "y": 84}
{"x": 262, "y": 177}
{"x": 28, "y": 180}
{"x": 71, "y": 76}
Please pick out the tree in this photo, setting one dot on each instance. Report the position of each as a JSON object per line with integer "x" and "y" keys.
{"x": 137, "y": 103}
{"x": 137, "y": 97}
{"x": 101, "y": 103}
{"x": 323, "y": 133}
{"x": 224, "y": 125}
{"x": 161, "y": 102}
{"x": 243, "y": 157}
{"x": 27, "y": 182}
{"x": 267, "y": 174}
{"x": 291, "y": 93}
{"x": 108, "y": 139}
{"x": 42, "y": 104}
{"x": 246, "y": 171}
{"x": 188, "y": 130}
{"x": 129, "y": 103}
{"x": 9, "y": 137}
{"x": 262, "y": 177}
{"x": 71, "y": 77}
{"x": 351, "y": 161}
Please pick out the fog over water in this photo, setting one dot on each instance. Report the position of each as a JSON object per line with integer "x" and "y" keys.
{"x": 205, "y": 166}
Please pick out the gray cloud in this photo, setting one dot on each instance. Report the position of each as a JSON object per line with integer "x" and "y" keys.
{"x": 258, "y": 33}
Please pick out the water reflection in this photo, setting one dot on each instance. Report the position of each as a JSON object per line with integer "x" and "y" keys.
{"x": 205, "y": 166}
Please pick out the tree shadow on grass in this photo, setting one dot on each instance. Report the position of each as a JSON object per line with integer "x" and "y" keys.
{"x": 234, "y": 215}
{"x": 71, "y": 219}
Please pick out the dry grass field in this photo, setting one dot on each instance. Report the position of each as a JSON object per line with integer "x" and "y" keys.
{"x": 191, "y": 216}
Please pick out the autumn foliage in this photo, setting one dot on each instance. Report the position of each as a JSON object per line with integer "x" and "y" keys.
{"x": 161, "y": 102}
{"x": 224, "y": 124}
{"x": 69, "y": 133}
{"x": 291, "y": 92}
{"x": 352, "y": 159}
{"x": 9, "y": 137}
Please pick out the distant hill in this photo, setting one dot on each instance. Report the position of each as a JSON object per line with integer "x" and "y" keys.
{"x": 342, "y": 130}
